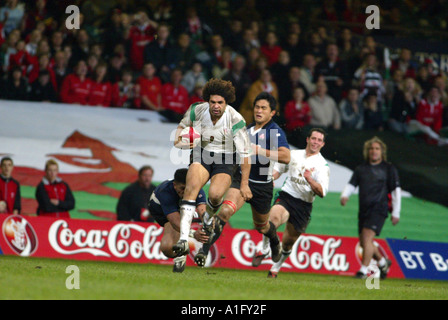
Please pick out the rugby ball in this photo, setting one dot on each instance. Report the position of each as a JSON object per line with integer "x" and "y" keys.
{"x": 190, "y": 135}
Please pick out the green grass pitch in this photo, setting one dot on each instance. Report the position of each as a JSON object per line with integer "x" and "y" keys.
{"x": 44, "y": 279}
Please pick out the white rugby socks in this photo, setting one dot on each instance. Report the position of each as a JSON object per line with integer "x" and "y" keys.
{"x": 278, "y": 265}
{"x": 187, "y": 210}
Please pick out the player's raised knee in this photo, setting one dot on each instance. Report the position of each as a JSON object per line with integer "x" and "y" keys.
{"x": 167, "y": 250}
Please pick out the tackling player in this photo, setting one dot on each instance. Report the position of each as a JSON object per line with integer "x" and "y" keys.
{"x": 375, "y": 178}
{"x": 223, "y": 134}
{"x": 269, "y": 144}
{"x": 164, "y": 207}
{"x": 308, "y": 175}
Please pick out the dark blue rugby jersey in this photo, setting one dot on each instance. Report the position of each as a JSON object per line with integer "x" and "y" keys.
{"x": 270, "y": 137}
{"x": 165, "y": 199}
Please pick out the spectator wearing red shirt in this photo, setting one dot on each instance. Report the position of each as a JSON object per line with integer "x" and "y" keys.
{"x": 297, "y": 111}
{"x": 20, "y": 58}
{"x": 76, "y": 86}
{"x": 43, "y": 63}
{"x": 430, "y": 110}
{"x": 429, "y": 118}
{"x": 2, "y": 33}
{"x": 53, "y": 195}
{"x": 150, "y": 88}
{"x": 140, "y": 35}
{"x": 175, "y": 98}
{"x": 10, "y": 200}
{"x": 126, "y": 94}
{"x": 271, "y": 49}
{"x": 101, "y": 90}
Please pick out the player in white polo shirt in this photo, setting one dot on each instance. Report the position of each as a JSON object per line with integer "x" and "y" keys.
{"x": 308, "y": 175}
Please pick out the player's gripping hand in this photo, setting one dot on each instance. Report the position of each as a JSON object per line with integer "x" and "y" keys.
{"x": 200, "y": 236}
{"x": 182, "y": 145}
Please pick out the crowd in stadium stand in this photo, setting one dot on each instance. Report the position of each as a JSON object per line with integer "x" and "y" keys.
{"x": 157, "y": 55}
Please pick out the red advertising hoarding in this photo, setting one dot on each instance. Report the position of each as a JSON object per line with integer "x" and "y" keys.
{"x": 140, "y": 243}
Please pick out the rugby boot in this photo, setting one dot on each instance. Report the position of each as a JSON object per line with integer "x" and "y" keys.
{"x": 179, "y": 264}
{"x": 258, "y": 258}
{"x": 385, "y": 269}
{"x": 200, "y": 258}
{"x": 181, "y": 248}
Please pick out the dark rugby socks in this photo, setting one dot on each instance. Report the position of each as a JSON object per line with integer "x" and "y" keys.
{"x": 272, "y": 234}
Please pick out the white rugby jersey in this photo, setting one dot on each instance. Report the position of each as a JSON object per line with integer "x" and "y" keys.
{"x": 228, "y": 135}
{"x": 295, "y": 183}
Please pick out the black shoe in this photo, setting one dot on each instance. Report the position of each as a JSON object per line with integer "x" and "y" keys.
{"x": 200, "y": 258}
{"x": 258, "y": 258}
{"x": 385, "y": 269}
{"x": 272, "y": 274}
{"x": 276, "y": 250}
{"x": 179, "y": 264}
{"x": 181, "y": 248}
{"x": 360, "y": 275}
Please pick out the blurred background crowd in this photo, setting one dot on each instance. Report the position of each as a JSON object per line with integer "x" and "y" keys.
{"x": 317, "y": 58}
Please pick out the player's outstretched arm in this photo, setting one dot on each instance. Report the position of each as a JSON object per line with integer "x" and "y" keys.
{"x": 282, "y": 155}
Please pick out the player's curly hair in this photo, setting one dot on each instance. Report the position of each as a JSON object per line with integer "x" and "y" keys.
{"x": 221, "y": 88}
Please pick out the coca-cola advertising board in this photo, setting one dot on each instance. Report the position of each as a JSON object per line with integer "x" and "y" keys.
{"x": 140, "y": 243}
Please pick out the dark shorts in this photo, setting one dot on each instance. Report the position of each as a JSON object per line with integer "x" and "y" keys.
{"x": 299, "y": 210}
{"x": 261, "y": 193}
{"x": 158, "y": 216}
{"x": 214, "y": 163}
{"x": 371, "y": 221}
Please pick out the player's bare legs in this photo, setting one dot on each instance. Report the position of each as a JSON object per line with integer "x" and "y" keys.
{"x": 197, "y": 177}
{"x": 290, "y": 237}
{"x": 169, "y": 238}
{"x": 219, "y": 184}
{"x": 366, "y": 239}
{"x": 232, "y": 203}
{"x": 278, "y": 215}
{"x": 268, "y": 229}
{"x": 370, "y": 251}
